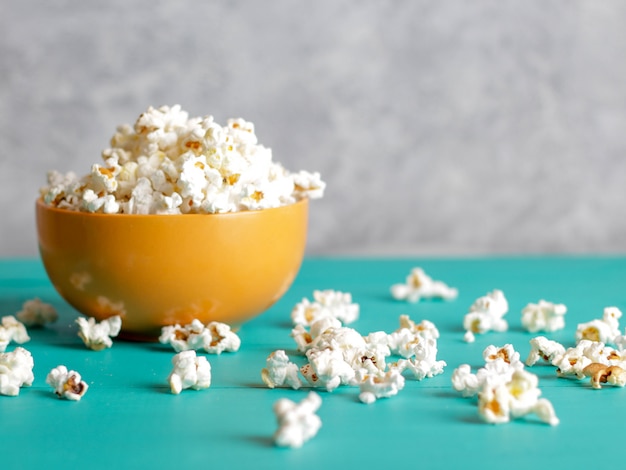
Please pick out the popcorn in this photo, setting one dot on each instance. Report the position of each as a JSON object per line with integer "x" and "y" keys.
{"x": 516, "y": 398}
{"x": 573, "y": 361}
{"x": 486, "y": 314}
{"x": 543, "y": 348}
{"x": 373, "y": 387}
{"x": 327, "y": 368}
{"x": 214, "y": 338}
{"x": 280, "y": 371}
{"x": 36, "y": 313}
{"x": 403, "y": 340}
{"x": 420, "y": 286}
{"x": 97, "y": 336}
{"x": 422, "y": 359}
{"x": 604, "y": 330}
{"x": 169, "y": 163}
{"x": 220, "y": 338}
{"x": 297, "y": 422}
{"x": 190, "y": 371}
{"x": 16, "y": 371}
{"x": 601, "y": 373}
{"x": 12, "y": 330}
{"x": 327, "y": 303}
{"x": 543, "y": 316}
{"x": 500, "y": 365}
{"x": 67, "y": 384}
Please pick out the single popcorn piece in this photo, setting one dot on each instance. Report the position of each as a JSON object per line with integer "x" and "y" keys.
{"x": 543, "y": 316}
{"x": 189, "y": 371}
{"x": 327, "y": 368}
{"x": 373, "y": 387}
{"x": 16, "y": 371}
{"x": 297, "y": 422}
{"x": 220, "y": 338}
{"x": 541, "y": 348}
{"x": 214, "y": 338}
{"x": 67, "y": 384}
{"x": 37, "y": 313}
{"x": 326, "y": 303}
{"x": 601, "y": 373}
{"x": 280, "y": 371}
{"x": 513, "y": 399}
{"x": 604, "y": 330}
{"x": 419, "y": 286}
{"x": 12, "y": 330}
{"x": 170, "y": 163}
{"x": 183, "y": 338}
{"x": 97, "y": 336}
{"x": 486, "y": 314}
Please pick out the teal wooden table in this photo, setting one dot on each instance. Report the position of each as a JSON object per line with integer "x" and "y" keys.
{"x": 129, "y": 418}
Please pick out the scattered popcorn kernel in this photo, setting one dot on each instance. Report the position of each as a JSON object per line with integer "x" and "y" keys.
{"x": 601, "y": 373}
{"x": 604, "y": 330}
{"x": 327, "y": 368}
{"x": 190, "y": 371}
{"x": 486, "y": 314}
{"x": 183, "y": 338}
{"x": 97, "y": 336}
{"x": 543, "y": 316}
{"x": 280, "y": 371}
{"x": 373, "y": 386}
{"x": 214, "y": 338}
{"x": 419, "y": 286}
{"x": 169, "y": 163}
{"x": 11, "y": 330}
{"x": 219, "y": 338}
{"x": 541, "y": 348}
{"x": 16, "y": 371}
{"x": 297, "y": 422}
{"x": 37, "y": 313}
{"x": 66, "y": 384}
{"x": 516, "y": 398}
{"x": 326, "y": 303}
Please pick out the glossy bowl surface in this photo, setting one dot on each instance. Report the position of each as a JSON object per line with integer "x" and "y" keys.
{"x": 157, "y": 270}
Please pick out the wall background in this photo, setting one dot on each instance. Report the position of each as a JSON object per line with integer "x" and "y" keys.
{"x": 441, "y": 127}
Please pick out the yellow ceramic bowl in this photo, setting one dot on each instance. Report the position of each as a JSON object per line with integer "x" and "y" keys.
{"x": 157, "y": 270}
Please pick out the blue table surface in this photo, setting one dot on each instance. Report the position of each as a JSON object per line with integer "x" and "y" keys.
{"x": 129, "y": 418}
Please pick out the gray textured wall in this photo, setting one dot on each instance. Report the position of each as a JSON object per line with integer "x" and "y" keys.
{"x": 440, "y": 127}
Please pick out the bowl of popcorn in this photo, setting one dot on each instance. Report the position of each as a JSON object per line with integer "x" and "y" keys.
{"x": 185, "y": 219}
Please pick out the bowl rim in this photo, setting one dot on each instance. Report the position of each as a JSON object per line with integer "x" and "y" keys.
{"x": 39, "y": 203}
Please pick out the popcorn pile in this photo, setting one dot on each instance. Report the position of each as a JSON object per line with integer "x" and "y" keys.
{"x": 338, "y": 355}
{"x": 594, "y": 358}
{"x": 214, "y": 338}
{"x": 419, "y": 285}
{"x": 169, "y": 163}
{"x": 505, "y": 390}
